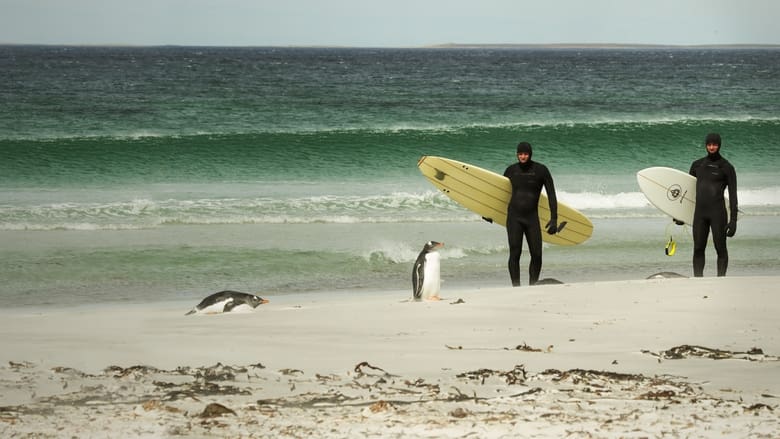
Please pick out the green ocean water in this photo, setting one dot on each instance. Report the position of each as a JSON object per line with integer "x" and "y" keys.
{"x": 136, "y": 174}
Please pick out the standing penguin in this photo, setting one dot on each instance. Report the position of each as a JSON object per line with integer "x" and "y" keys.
{"x": 426, "y": 281}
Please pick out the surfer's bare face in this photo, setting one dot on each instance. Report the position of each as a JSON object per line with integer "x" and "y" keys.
{"x": 712, "y": 148}
{"x": 523, "y": 157}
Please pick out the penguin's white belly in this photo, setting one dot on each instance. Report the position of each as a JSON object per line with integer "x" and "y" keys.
{"x": 431, "y": 279}
{"x": 215, "y": 308}
{"x": 242, "y": 309}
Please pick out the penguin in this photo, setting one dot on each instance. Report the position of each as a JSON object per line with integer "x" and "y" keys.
{"x": 227, "y": 301}
{"x": 426, "y": 281}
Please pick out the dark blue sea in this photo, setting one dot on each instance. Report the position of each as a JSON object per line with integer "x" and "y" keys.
{"x": 136, "y": 174}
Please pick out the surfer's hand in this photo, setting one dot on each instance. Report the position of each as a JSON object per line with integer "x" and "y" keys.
{"x": 731, "y": 229}
{"x": 552, "y": 227}
{"x": 678, "y": 222}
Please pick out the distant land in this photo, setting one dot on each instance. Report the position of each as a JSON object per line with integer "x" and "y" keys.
{"x": 602, "y": 46}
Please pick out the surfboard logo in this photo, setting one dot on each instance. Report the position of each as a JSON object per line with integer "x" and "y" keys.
{"x": 674, "y": 192}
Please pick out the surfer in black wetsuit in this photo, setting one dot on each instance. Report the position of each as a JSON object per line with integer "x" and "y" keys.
{"x": 713, "y": 175}
{"x": 528, "y": 178}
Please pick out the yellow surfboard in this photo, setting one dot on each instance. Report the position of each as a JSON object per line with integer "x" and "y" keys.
{"x": 487, "y": 194}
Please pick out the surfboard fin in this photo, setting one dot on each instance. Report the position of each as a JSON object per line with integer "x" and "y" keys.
{"x": 440, "y": 175}
{"x": 490, "y": 220}
{"x": 561, "y": 226}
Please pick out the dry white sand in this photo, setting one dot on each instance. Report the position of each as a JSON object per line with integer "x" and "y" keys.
{"x": 645, "y": 358}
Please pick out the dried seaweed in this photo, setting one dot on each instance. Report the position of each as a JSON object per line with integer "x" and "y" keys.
{"x": 364, "y": 364}
{"x": 215, "y": 410}
{"x": 686, "y": 351}
{"x": 517, "y": 375}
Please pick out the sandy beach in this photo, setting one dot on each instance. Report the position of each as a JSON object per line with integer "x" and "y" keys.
{"x": 644, "y": 358}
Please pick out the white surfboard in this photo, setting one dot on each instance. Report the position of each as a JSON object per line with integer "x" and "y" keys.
{"x": 672, "y": 191}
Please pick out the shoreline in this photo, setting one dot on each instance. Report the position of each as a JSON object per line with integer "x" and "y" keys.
{"x": 697, "y": 356}
{"x": 70, "y": 268}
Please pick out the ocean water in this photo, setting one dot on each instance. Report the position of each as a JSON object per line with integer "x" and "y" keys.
{"x": 158, "y": 173}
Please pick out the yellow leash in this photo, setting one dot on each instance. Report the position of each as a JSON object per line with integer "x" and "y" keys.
{"x": 671, "y": 246}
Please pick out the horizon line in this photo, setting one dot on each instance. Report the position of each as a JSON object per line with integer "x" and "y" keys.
{"x": 432, "y": 46}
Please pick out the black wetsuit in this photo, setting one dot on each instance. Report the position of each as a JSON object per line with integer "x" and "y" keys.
{"x": 523, "y": 217}
{"x": 713, "y": 175}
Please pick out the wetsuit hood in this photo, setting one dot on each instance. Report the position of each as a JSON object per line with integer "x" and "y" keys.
{"x": 713, "y": 138}
{"x": 526, "y": 148}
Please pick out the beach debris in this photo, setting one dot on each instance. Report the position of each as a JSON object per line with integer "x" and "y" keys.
{"x": 630, "y": 386}
{"x": 521, "y": 347}
{"x": 71, "y": 372}
{"x": 156, "y": 404}
{"x": 196, "y": 390}
{"x": 459, "y": 413}
{"x": 527, "y": 392}
{"x": 326, "y": 378}
{"x": 379, "y": 408}
{"x": 579, "y": 375}
{"x": 325, "y": 404}
{"x": 7, "y": 419}
{"x": 219, "y": 372}
{"x": 657, "y": 395}
{"x": 685, "y": 351}
{"x": 332, "y": 398}
{"x": 517, "y": 375}
{"x": 359, "y": 369}
{"x": 420, "y": 383}
{"x": 20, "y": 365}
{"x": 460, "y": 396}
{"x": 525, "y": 348}
{"x": 759, "y": 406}
{"x": 134, "y": 372}
{"x": 215, "y": 410}
{"x": 287, "y": 371}
{"x": 459, "y": 301}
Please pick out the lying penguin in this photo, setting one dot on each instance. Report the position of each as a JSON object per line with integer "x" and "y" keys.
{"x": 426, "y": 279}
{"x": 227, "y": 301}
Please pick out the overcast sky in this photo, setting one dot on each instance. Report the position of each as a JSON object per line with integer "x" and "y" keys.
{"x": 388, "y": 23}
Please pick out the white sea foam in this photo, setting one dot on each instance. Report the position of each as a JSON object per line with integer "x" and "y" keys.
{"x": 398, "y": 207}
{"x": 763, "y": 197}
